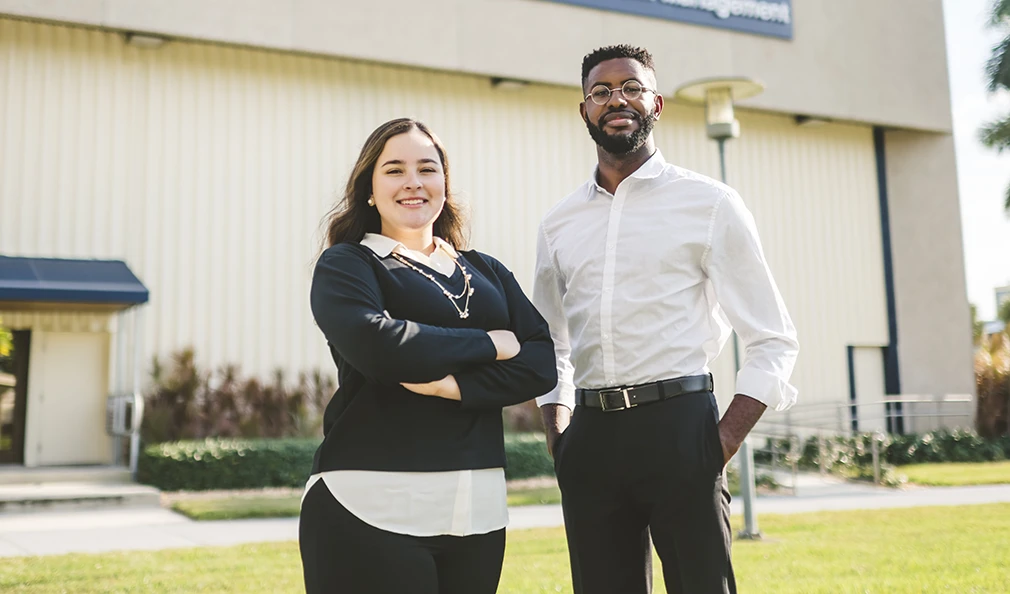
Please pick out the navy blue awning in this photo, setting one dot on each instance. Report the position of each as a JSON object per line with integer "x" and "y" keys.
{"x": 47, "y": 280}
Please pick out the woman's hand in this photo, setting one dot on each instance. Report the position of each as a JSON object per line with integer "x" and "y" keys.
{"x": 505, "y": 343}
{"x": 444, "y": 388}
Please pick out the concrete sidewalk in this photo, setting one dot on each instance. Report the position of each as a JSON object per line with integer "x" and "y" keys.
{"x": 96, "y": 531}
{"x": 138, "y": 529}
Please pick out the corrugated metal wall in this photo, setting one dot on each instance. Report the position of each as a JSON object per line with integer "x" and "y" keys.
{"x": 209, "y": 169}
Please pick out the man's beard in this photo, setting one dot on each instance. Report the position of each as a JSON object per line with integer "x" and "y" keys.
{"x": 620, "y": 145}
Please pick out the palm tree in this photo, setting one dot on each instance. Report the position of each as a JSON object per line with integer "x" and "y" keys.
{"x": 992, "y": 384}
{"x": 996, "y": 135}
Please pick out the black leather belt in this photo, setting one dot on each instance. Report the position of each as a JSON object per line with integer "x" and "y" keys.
{"x": 629, "y": 397}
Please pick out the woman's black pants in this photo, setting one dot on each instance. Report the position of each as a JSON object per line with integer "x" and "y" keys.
{"x": 343, "y": 555}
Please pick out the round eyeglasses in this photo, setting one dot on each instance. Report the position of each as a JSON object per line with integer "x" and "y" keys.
{"x": 632, "y": 89}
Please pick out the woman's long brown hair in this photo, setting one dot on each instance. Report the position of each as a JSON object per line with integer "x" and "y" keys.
{"x": 352, "y": 217}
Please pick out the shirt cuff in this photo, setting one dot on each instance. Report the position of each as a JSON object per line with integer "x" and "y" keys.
{"x": 767, "y": 388}
{"x": 563, "y": 393}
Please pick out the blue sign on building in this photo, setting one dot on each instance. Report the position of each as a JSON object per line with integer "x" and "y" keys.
{"x": 762, "y": 17}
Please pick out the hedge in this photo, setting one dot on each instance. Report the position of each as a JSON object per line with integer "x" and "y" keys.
{"x": 258, "y": 463}
{"x": 527, "y": 456}
{"x": 855, "y": 452}
{"x": 226, "y": 464}
{"x": 958, "y": 445}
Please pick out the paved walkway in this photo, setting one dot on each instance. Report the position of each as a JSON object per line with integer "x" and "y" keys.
{"x": 95, "y": 531}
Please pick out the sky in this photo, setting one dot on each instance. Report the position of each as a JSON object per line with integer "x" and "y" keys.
{"x": 983, "y": 175}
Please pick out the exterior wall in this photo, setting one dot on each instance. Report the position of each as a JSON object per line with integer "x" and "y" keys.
{"x": 863, "y": 60}
{"x": 208, "y": 170}
{"x": 933, "y": 318}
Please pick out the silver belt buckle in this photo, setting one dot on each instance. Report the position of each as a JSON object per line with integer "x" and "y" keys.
{"x": 622, "y": 391}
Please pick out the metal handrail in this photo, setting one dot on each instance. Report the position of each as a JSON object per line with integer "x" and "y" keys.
{"x": 833, "y": 427}
{"x": 827, "y": 418}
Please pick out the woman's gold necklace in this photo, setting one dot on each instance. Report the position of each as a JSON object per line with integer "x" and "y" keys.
{"x": 467, "y": 290}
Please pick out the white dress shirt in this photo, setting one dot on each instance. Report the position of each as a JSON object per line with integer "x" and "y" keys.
{"x": 646, "y": 284}
{"x": 456, "y": 503}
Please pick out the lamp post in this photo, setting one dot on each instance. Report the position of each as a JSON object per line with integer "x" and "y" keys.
{"x": 717, "y": 95}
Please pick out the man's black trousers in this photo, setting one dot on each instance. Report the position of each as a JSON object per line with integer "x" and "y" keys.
{"x": 656, "y": 468}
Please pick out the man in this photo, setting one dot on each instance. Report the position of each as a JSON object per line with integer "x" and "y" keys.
{"x": 639, "y": 274}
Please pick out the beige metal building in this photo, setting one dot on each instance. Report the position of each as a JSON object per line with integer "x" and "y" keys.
{"x": 202, "y": 141}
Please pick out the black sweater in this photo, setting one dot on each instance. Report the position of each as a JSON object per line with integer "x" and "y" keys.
{"x": 387, "y": 324}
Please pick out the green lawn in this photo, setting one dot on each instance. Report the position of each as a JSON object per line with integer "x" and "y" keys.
{"x": 944, "y": 549}
{"x": 950, "y": 549}
{"x": 552, "y": 494}
{"x": 955, "y": 474}
{"x": 534, "y": 496}
{"x": 236, "y": 508}
{"x": 287, "y": 506}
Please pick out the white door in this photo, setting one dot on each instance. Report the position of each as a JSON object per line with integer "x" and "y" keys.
{"x": 74, "y": 381}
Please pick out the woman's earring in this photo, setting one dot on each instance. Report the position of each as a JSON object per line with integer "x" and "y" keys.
{"x": 370, "y": 201}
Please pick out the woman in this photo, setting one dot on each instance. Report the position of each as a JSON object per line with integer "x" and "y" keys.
{"x": 407, "y": 492}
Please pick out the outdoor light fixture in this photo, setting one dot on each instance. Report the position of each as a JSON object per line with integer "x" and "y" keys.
{"x": 507, "y": 84}
{"x": 144, "y": 41}
{"x": 718, "y": 95}
{"x": 805, "y": 121}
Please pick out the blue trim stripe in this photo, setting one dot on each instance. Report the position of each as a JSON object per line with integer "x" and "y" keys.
{"x": 853, "y": 409}
{"x": 892, "y": 373}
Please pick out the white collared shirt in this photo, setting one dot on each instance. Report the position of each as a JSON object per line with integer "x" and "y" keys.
{"x": 456, "y": 503}
{"x": 643, "y": 285}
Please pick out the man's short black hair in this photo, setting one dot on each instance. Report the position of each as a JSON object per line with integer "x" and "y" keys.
{"x": 641, "y": 55}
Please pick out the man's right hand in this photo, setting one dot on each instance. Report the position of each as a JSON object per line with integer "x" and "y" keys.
{"x": 505, "y": 343}
{"x": 556, "y": 418}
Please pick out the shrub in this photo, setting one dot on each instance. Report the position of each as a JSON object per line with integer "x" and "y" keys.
{"x": 259, "y": 463}
{"x": 523, "y": 418}
{"x": 227, "y": 464}
{"x": 187, "y": 402}
{"x": 956, "y": 445}
{"x": 761, "y": 480}
{"x": 6, "y": 349}
{"x": 889, "y": 475}
{"x": 853, "y": 456}
{"x": 527, "y": 456}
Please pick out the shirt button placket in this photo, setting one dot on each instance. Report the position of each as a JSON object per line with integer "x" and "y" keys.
{"x": 607, "y": 300}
